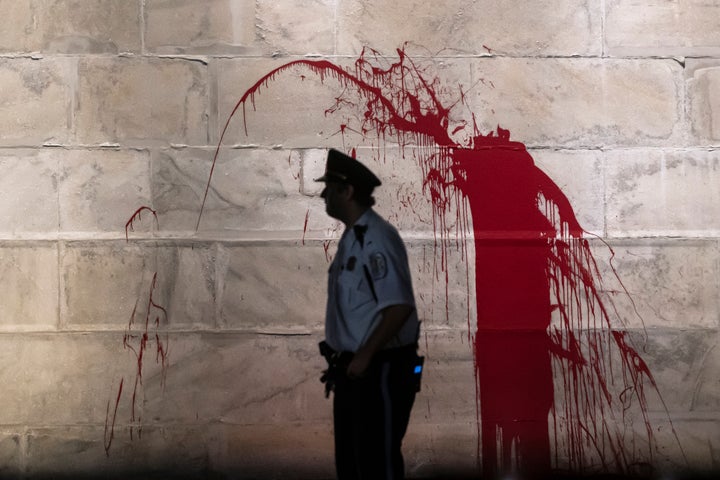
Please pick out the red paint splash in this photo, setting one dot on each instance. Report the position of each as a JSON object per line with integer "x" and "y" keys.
{"x": 541, "y": 317}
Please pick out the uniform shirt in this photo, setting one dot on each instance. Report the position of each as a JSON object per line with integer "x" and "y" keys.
{"x": 369, "y": 273}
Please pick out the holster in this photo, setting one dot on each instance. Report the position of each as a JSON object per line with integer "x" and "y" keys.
{"x": 337, "y": 366}
{"x": 338, "y": 363}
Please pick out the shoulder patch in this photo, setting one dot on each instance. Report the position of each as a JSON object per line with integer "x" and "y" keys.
{"x": 378, "y": 265}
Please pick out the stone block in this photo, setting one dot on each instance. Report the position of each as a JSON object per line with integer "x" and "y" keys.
{"x": 677, "y": 362}
{"x": 663, "y": 193}
{"x": 252, "y": 192}
{"x": 661, "y": 28}
{"x": 72, "y": 27}
{"x": 104, "y": 283}
{"x": 274, "y": 287}
{"x": 19, "y": 31}
{"x": 79, "y": 27}
{"x": 11, "y": 445}
{"x": 668, "y": 283}
{"x": 179, "y": 177}
{"x": 239, "y": 379}
{"x": 296, "y": 27}
{"x": 100, "y": 189}
{"x": 704, "y": 373}
{"x": 448, "y": 394}
{"x": 275, "y": 451}
{"x": 28, "y": 193}
{"x": 580, "y": 176}
{"x": 211, "y": 27}
{"x": 443, "y": 276}
{"x": 35, "y": 101}
{"x": 480, "y": 27}
{"x": 699, "y": 439}
{"x": 29, "y": 297}
{"x": 684, "y": 365}
{"x": 704, "y": 100}
{"x": 579, "y": 102}
{"x": 79, "y": 451}
{"x": 58, "y": 382}
{"x": 186, "y": 284}
{"x": 136, "y": 101}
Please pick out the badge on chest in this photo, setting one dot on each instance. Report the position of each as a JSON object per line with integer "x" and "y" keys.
{"x": 377, "y": 265}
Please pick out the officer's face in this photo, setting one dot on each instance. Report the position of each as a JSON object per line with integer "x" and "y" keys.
{"x": 335, "y": 196}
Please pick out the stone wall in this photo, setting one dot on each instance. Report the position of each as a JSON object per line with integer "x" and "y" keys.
{"x": 137, "y": 342}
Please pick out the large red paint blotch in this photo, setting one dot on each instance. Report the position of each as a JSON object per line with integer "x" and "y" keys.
{"x": 540, "y": 313}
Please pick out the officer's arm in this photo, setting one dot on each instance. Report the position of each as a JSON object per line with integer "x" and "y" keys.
{"x": 393, "y": 318}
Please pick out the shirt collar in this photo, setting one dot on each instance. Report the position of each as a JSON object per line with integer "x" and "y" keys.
{"x": 361, "y": 225}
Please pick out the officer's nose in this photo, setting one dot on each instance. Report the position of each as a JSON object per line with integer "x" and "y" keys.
{"x": 324, "y": 192}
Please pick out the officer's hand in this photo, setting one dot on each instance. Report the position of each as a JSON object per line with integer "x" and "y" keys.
{"x": 358, "y": 365}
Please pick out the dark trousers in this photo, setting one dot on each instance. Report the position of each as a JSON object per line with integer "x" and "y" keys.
{"x": 371, "y": 416}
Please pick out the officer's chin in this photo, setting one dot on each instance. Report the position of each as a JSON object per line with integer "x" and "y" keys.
{"x": 332, "y": 214}
{"x": 328, "y": 210}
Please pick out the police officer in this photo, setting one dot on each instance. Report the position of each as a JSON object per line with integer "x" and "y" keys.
{"x": 372, "y": 324}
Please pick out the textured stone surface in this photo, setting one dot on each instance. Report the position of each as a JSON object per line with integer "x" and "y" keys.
{"x": 579, "y": 102}
{"x": 705, "y": 101}
{"x": 102, "y": 283}
{"x": 580, "y": 175}
{"x": 28, "y": 300}
{"x": 297, "y": 26}
{"x": 133, "y": 100}
{"x": 254, "y": 276}
{"x": 663, "y": 193}
{"x": 192, "y": 348}
{"x": 34, "y": 101}
{"x": 480, "y": 27}
{"x": 216, "y": 26}
{"x": 100, "y": 189}
{"x": 64, "y": 379}
{"x": 28, "y": 193}
{"x": 669, "y": 283}
{"x": 252, "y": 190}
{"x": 76, "y": 26}
{"x": 662, "y": 28}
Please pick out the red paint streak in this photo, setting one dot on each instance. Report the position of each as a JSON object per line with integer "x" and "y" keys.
{"x": 540, "y": 314}
{"x": 138, "y": 341}
{"x": 110, "y": 424}
{"x": 305, "y": 225}
{"x": 137, "y": 216}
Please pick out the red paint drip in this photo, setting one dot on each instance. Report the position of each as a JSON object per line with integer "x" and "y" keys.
{"x": 540, "y": 316}
{"x": 305, "y": 225}
{"x": 110, "y": 424}
{"x": 138, "y": 342}
{"x": 137, "y": 216}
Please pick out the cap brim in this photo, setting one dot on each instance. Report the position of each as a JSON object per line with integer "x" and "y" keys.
{"x": 332, "y": 177}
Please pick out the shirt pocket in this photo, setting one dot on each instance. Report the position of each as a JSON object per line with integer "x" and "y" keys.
{"x": 357, "y": 291}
